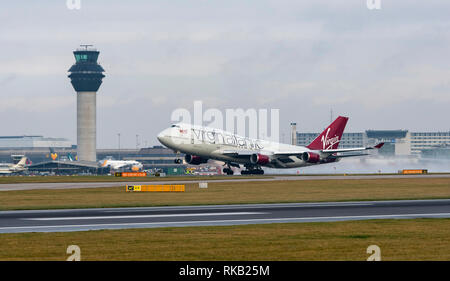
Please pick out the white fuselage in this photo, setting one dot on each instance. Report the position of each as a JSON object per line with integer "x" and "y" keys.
{"x": 13, "y": 168}
{"x": 119, "y": 164}
{"x": 10, "y": 169}
{"x": 216, "y": 144}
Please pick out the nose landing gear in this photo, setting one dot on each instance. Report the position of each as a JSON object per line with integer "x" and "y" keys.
{"x": 178, "y": 160}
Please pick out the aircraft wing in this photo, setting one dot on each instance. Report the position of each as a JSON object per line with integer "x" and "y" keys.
{"x": 348, "y": 155}
{"x": 337, "y": 153}
{"x": 230, "y": 152}
{"x": 331, "y": 151}
{"x": 241, "y": 153}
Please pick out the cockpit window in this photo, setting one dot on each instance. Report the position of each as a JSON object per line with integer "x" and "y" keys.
{"x": 175, "y": 126}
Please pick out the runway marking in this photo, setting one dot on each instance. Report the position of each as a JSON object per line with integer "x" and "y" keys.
{"x": 62, "y": 185}
{"x": 144, "y": 216}
{"x": 228, "y": 221}
{"x": 252, "y": 206}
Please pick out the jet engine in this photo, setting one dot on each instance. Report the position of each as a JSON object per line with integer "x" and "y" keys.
{"x": 259, "y": 159}
{"x": 194, "y": 160}
{"x": 310, "y": 157}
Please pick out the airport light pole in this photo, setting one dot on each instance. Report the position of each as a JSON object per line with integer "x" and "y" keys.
{"x": 137, "y": 141}
{"x": 119, "y": 144}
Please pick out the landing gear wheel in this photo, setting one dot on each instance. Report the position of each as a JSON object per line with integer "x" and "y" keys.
{"x": 228, "y": 171}
{"x": 253, "y": 172}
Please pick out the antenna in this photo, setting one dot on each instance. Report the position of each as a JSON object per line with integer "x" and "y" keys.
{"x": 86, "y": 46}
{"x": 137, "y": 141}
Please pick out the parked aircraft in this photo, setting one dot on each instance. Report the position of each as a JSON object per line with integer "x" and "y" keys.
{"x": 14, "y": 168}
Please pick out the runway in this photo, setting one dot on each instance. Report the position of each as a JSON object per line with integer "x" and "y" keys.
{"x": 216, "y": 215}
{"x": 72, "y": 185}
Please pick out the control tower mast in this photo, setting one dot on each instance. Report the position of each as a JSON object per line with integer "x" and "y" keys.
{"x": 86, "y": 77}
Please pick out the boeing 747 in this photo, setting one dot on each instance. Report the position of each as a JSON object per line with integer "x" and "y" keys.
{"x": 199, "y": 144}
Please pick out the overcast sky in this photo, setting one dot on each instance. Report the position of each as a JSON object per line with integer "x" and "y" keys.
{"x": 385, "y": 69}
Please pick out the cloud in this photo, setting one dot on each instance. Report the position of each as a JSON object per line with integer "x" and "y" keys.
{"x": 37, "y": 105}
{"x": 303, "y": 57}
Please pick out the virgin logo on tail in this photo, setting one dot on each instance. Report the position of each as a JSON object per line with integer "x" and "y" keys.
{"x": 336, "y": 129}
{"x": 329, "y": 143}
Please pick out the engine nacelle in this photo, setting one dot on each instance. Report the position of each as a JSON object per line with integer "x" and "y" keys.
{"x": 310, "y": 157}
{"x": 194, "y": 160}
{"x": 259, "y": 159}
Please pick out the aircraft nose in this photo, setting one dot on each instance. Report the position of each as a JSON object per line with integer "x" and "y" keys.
{"x": 162, "y": 137}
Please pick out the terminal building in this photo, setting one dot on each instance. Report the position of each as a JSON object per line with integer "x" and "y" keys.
{"x": 155, "y": 159}
{"x": 422, "y": 141}
{"x": 32, "y": 142}
{"x": 60, "y": 156}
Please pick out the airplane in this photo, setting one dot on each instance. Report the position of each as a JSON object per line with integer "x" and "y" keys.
{"x": 14, "y": 168}
{"x": 122, "y": 164}
{"x": 199, "y": 144}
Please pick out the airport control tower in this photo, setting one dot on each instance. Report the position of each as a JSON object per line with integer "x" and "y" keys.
{"x": 86, "y": 77}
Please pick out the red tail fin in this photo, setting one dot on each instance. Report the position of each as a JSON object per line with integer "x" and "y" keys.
{"x": 330, "y": 138}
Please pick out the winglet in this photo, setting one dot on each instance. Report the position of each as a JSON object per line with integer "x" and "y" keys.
{"x": 378, "y": 146}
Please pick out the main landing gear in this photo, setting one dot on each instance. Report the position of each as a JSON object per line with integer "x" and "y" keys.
{"x": 228, "y": 171}
{"x": 249, "y": 169}
{"x": 252, "y": 170}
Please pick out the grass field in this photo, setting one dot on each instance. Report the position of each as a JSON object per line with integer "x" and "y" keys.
{"x": 93, "y": 179}
{"x": 232, "y": 193}
{"x": 419, "y": 239}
